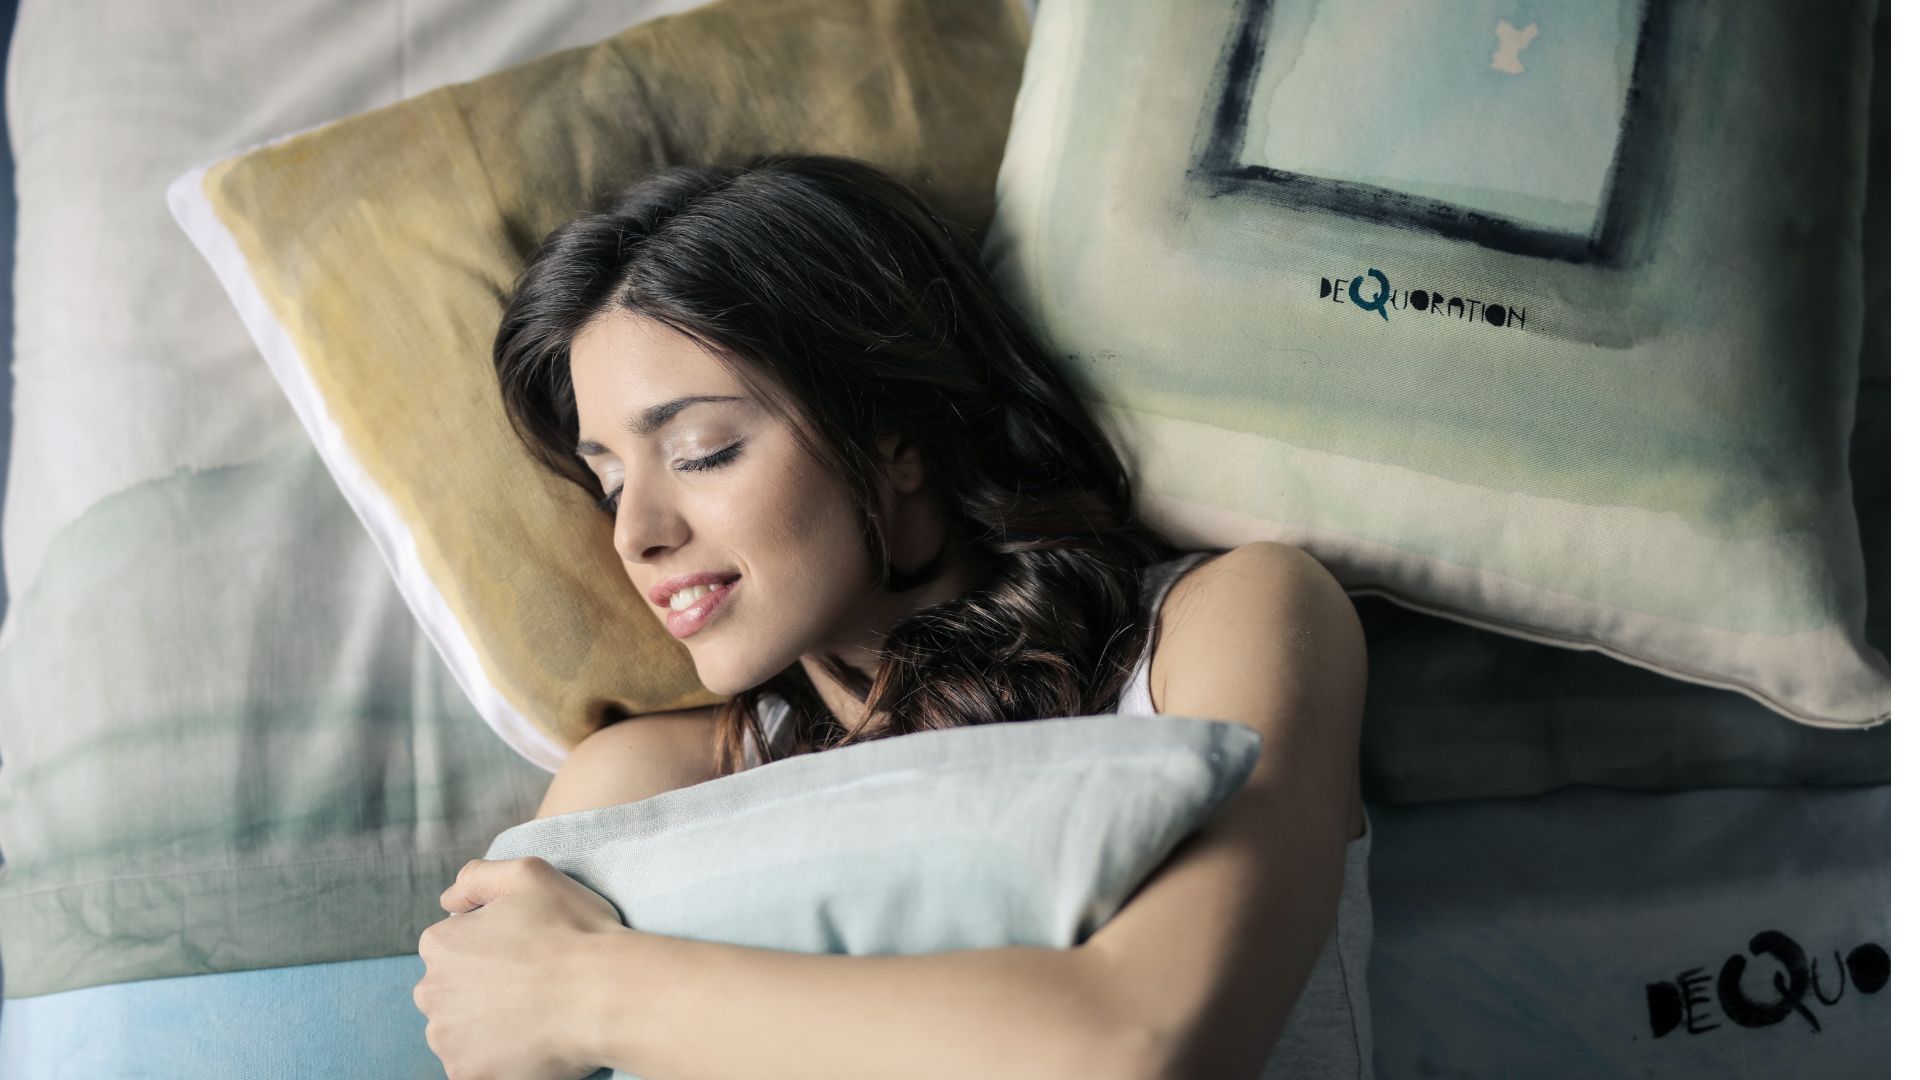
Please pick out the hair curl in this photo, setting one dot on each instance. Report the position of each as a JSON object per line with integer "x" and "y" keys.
{"x": 850, "y": 309}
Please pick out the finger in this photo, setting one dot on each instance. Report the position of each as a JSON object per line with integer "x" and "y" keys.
{"x": 461, "y": 896}
{"x": 483, "y": 881}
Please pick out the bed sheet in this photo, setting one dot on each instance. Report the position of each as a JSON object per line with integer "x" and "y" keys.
{"x": 1592, "y": 933}
{"x": 8, "y": 8}
{"x": 339, "y": 1021}
{"x": 7, "y": 218}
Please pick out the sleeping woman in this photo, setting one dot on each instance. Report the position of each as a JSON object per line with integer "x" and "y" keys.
{"x": 847, "y": 478}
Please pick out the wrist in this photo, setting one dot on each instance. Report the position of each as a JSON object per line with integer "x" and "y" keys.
{"x": 603, "y": 1004}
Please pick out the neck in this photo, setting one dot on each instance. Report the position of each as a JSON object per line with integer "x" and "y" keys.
{"x": 963, "y": 569}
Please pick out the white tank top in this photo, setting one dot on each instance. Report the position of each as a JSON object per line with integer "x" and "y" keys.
{"x": 1329, "y": 1032}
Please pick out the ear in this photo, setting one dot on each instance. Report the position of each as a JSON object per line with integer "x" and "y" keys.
{"x": 901, "y": 463}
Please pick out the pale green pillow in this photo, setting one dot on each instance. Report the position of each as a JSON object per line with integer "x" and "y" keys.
{"x": 1029, "y": 833}
{"x": 1605, "y": 400}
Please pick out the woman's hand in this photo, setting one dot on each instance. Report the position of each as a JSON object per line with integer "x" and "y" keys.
{"x": 501, "y": 985}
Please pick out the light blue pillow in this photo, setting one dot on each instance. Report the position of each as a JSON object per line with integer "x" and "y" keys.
{"x": 1029, "y": 833}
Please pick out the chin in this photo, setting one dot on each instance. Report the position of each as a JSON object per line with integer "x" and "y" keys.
{"x": 720, "y": 676}
{"x": 732, "y": 671}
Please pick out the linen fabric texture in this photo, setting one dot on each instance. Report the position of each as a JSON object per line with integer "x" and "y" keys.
{"x": 371, "y": 257}
{"x": 1573, "y": 357}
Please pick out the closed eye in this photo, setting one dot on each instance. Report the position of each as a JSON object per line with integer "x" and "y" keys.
{"x": 610, "y": 505}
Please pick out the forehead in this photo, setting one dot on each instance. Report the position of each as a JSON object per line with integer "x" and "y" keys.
{"x": 621, "y": 357}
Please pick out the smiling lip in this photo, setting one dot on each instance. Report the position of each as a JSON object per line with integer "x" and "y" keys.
{"x": 687, "y": 622}
{"x": 662, "y": 592}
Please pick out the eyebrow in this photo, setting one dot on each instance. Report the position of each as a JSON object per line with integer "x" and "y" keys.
{"x": 649, "y": 420}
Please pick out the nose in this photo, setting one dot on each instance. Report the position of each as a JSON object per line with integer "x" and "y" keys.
{"x": 646, "y": 527}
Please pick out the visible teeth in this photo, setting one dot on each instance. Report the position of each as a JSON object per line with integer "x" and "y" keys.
{"x": 685, "y": 597}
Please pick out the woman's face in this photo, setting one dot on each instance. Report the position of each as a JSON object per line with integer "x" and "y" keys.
{"x": 706, "y": 481}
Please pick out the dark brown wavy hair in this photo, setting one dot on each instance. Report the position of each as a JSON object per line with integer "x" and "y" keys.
{"x": 850, "y": 309}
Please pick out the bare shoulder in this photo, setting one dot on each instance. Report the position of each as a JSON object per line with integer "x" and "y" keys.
{"x": 1263, "y": 635}
{"x": 1263, "y": 611}
{"x": 635, "y": 759}
{"x": 1267, "y": 564}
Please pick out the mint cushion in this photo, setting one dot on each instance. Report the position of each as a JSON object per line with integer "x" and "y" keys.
{"x": 1030, "y": 833}
{"x": 1540, "y": 328}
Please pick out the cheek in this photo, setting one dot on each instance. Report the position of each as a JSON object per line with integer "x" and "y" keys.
{"x": 807, "y": 538}
{"x": 793, "y": 505}
{"x": 640, "y": 583}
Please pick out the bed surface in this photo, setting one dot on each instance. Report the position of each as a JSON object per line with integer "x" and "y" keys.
{"x": 1473, "y": 740}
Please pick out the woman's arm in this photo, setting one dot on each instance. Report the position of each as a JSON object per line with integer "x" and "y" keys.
{"x": 1214, "y": 950}
{"x": 665, "y": 1007}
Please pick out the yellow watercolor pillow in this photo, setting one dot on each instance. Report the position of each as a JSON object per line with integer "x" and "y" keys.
{"x": 371, "y": 258}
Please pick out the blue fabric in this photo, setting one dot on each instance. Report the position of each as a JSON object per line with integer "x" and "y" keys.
{"x": 316, "y": 1021}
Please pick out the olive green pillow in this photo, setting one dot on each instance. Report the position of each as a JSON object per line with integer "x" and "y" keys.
{"x": 371, "y": 258}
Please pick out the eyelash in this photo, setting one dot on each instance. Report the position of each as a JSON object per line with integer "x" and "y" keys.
{"x": 610, "y": 505}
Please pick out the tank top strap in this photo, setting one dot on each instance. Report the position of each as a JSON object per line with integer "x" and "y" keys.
{"x": 1156, "y": 582}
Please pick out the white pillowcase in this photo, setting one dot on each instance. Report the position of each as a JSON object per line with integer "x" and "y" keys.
{"x": 1018, "y": 834}
{"x": 1027, "y": 833}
